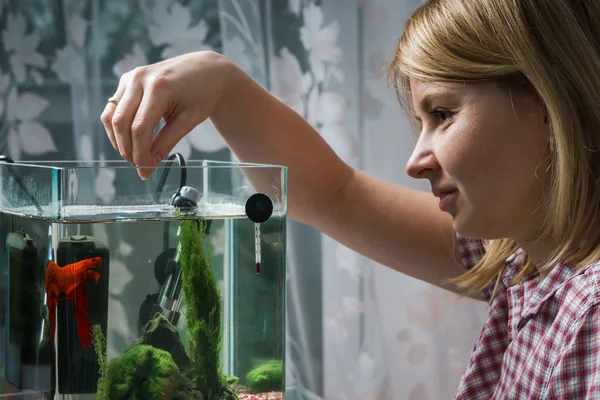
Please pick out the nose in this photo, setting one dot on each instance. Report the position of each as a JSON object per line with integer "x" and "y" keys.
{"x": 422, "y": 162}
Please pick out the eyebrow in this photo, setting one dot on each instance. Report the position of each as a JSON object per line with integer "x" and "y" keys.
{"x": 425, "y": 103}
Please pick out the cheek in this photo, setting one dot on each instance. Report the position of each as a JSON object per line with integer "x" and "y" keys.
{"x": 477, "y": 158}
{"x": 496, "y": 145}
{"x": 494, "y": 167}
{"x": 469, "y": 157}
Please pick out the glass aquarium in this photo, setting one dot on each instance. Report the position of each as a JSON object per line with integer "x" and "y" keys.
{"x": 114, "y": 287}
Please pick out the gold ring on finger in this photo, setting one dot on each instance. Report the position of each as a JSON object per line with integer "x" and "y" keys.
{"x": 113, "y": 100}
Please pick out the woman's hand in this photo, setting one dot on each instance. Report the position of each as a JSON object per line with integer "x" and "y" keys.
{"x": 183, "y": 90}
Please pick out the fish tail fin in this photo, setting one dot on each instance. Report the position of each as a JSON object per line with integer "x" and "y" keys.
{"x": 84, "y": 327}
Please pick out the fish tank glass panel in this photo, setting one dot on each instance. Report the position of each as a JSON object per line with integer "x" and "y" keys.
{"x": 114, "y": 287}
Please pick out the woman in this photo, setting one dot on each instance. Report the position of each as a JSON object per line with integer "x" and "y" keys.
{"x": 504, "y": 95}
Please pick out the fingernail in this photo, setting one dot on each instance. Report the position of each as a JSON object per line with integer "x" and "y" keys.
{"x": 157, "y": 159}
{"x": 143, "y": 173}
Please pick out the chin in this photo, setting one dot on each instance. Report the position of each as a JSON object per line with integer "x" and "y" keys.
{"x": 474, "y": 227}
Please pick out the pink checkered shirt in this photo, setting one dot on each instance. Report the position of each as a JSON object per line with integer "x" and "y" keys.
{"x": 542, "y": 337}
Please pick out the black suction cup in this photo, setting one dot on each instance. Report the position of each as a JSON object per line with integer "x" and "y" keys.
{"x": 163, "y": 266}
{"x": 259, "y": 208}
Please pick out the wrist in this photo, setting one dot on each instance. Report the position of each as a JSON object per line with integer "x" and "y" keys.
{"x": 229, "y": 77}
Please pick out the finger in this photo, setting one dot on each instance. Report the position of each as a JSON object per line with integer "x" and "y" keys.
{"x": 123, "y": 118}
{"x": 109, "y": 109}
{"x": 152, "y": 107}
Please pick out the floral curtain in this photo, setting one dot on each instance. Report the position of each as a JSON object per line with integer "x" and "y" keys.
{"x": 356, "y": 330}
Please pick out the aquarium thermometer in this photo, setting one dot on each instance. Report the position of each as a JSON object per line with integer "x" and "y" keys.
{"x": 257, "y": 246}
{"x": 259, "y": 209}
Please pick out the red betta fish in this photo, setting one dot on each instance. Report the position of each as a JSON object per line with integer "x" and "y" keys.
{"x": 70, "y": 280}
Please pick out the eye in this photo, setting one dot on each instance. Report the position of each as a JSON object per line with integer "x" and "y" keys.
{"x": 441, "y": 114}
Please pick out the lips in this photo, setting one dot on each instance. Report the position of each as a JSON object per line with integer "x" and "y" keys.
{"x": 445, "y": 197}
{"x": 443, "y": 192}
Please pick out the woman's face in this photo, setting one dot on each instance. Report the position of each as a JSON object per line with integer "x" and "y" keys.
{"x": 482, "y": 147}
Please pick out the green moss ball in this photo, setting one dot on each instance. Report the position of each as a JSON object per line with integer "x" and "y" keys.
{"x": 143, "y": 372}
{"x": 266, "y": 377}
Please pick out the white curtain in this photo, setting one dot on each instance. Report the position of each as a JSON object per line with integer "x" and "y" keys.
{"x": 356, "y": 330}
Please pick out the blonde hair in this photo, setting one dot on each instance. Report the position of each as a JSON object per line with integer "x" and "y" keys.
{"x": 551, "y": 47}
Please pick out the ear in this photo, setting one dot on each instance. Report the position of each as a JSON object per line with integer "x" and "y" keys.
{"x": 533, "y": 106}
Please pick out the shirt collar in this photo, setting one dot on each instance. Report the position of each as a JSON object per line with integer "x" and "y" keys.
{"x": 536, "y": 290}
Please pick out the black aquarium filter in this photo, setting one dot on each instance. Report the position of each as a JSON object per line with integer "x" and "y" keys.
{"x": 78, "y": 368}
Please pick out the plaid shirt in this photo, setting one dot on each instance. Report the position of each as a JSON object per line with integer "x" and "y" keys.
{"x": 542, "y": 337}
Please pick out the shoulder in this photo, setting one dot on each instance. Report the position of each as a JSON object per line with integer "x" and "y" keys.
{"x": 572, "y": 296}
{"x": 580, "y": 287}
{"x": 583, "y": 287}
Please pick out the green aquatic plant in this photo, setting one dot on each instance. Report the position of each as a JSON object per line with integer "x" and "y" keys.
{"x": 145, "y": 372}
{"x": 99, "y": 343}
{"x": 266, "y": 377}
{"x": 156, "y": 366}
{"x": 203, "y": 313}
